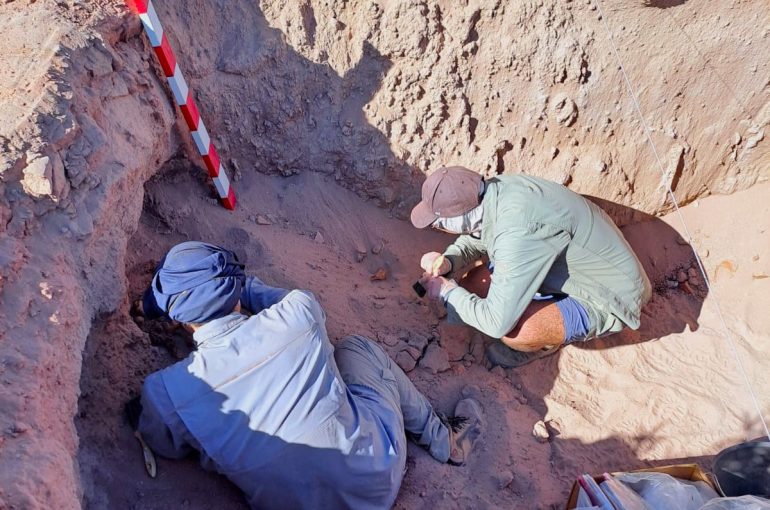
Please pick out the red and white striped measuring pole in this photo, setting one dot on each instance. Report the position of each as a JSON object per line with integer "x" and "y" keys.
{"x": 183, "y": 97}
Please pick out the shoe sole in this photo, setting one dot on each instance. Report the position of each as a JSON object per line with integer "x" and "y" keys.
{"x": 472, "y": 431}
{"x": 501, "y": 360}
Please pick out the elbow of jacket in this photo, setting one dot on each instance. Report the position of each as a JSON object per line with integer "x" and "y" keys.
{"x": 310, "y": 304}
{"x": 496, "y": 330}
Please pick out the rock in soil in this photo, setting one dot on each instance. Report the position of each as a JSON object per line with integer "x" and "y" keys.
{"x": 435, "y": 359}
{"x": 405, "y": 361}
{"x": 455, "y": 339}
{"x": 540, "y": 432}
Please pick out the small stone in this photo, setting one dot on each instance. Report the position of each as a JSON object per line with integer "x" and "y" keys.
{"x": 554, "y": 152}
{"x": 380, "y": 275}
{"x": 498, "y": 371}
{"x": 319, "y": 238}
{"x": 672, "y": 284}
{"x": 435, "y": 359}
{"x": 564, "y": 110}
{"x": 554, "y": 428}
{"x": 540, "y": 432}
{"x": 405, "y": 361}
{"x": 418, "y": 341}
{"x": 413, "y": 352}
{"x": 471, "y": 391}
{"x": 38, "y": 177}
{"x": 389, "y": 340}
{"x": 681, "y": 276}
{"x": 736, "y": 138}
{"x": 754, "y": 140}
{"x": 504, "y": 479}
{"x": 726, "y": 266}
{"x": 377, "y": 248}
{"x": 34, "y": 308}
{"x": 755, "y": 258}
{"x": 262, "y": 220}
{"x": 522, "y": 400}
{"x": 19, "y": 428}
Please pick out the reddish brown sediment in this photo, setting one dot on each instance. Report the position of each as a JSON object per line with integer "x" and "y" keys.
{"x": 327, "y": 114}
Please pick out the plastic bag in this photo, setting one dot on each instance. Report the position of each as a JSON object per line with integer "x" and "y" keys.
{"x": 594, "y": 492}
{"x": 621, "y": 496}
{"x": 740, "y": 503}
{"x": 583, "y": 501}
{"x": 663, "y": 492}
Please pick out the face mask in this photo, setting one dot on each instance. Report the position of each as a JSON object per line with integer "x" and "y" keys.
{"x": 468, "y": 223}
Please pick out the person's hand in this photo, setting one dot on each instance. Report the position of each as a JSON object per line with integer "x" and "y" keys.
{"x": 438, "y": 287}
{"x": 435, "y": 264}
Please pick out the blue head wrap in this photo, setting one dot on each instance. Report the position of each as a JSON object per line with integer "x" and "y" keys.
{"x": 194, "y": 283}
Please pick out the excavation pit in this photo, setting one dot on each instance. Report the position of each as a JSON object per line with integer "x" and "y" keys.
{"x": 326, "y": 116}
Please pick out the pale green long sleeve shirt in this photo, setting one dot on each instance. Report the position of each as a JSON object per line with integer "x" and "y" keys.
{"x": 542, "y": 237}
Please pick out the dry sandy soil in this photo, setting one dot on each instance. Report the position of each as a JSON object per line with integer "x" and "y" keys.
{"x": 326, "y": 114}
{"x": 666, "y": 394}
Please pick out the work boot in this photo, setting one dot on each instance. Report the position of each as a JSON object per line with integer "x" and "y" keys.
{"x": 501, "y": 355}
{"x": 464, "y": 429}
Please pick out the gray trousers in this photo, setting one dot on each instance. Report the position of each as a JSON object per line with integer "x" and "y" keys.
{"x": 363, "y": 362}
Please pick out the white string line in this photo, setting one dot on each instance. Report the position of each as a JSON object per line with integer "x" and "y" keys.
{"x": 647, "y": 132}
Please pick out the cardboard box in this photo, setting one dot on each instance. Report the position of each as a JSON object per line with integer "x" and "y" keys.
{"x": 691, "y": 472}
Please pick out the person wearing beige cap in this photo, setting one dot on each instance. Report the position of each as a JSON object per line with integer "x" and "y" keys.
{"x": 559, "y": 271}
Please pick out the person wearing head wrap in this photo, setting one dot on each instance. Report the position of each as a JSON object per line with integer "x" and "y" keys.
{"x": 195, "y": 283}
{"x": 559, "y": 270}
{"x": 268, "y": 401}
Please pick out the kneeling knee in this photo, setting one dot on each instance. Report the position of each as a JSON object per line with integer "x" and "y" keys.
{"x": 355, "y": 342}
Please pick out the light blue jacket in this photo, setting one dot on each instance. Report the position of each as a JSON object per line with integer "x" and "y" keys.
{"x": 263, "y": 402}
{"x": 543, "y": 237}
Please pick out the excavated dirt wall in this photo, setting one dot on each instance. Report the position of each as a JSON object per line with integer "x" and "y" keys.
{"x": 85, "y": 122}
{"x": 372, "y": 92}
{"x": 369, "y": 93}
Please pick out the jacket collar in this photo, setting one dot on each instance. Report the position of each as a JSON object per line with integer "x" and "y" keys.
{"x": 214, "y": 330}
{"x": 489, "y": 202}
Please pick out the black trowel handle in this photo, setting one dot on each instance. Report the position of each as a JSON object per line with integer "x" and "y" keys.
{"x": 419, "y": 289}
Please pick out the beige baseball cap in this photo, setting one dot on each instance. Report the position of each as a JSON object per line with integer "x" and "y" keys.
{"x": 447, "y": 192}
